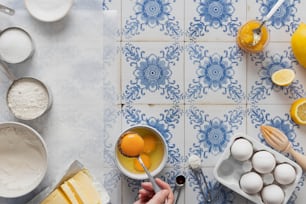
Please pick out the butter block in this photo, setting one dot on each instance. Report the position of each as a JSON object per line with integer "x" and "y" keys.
{"x": 83, "y": 187}
{"x": 79, "y": 189}
{"x": 57, "y": 196}
{"x": 69, "y": 193}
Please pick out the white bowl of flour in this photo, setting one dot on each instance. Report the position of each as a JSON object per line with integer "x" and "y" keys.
{"x": 23, "y": 159}
{"x": 28, "y": 98}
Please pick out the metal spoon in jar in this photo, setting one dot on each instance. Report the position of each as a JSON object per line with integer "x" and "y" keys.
{"x": 179, "y": 184}
{"x": 127, "y": 154}
{"x": 7, "y": 10}
{"x": 257, "y": 31}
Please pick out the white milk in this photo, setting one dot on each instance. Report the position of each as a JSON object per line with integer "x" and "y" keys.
{"x": 22, "y": 160}
{"x": 28, "y": 98}
{"x": 15, "y": 45}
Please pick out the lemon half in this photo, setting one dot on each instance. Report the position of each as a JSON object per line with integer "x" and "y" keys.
{"x": 298, "y": 111}
{"x": 283, "y": 77}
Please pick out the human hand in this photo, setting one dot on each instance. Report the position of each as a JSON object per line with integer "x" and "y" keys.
{"x": 148, "y": 196}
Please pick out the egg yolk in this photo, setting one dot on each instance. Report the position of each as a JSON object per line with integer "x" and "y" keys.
{"x": 131, "y": 145}
{"x": 146, "y": 160}
{"x": 149, "y": 144}
{"x": 245, "y": 37}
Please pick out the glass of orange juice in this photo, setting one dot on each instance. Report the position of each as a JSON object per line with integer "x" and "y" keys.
{"x": 245, "y": 37}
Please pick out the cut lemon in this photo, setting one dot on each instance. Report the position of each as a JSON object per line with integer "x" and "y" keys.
{"x": 283, "y": 77}
{"x": 298, "y": 111}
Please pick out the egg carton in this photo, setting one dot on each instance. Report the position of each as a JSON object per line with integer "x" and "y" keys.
{"x": 228, "y": 170}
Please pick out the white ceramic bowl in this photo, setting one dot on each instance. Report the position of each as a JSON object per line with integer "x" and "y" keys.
{"x": 48, "y": 10}
{"x": 23, "y": 159}
{"x": 141, "y": 129}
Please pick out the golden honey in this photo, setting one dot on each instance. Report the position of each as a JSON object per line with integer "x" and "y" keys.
{"x": 245, "y": 37}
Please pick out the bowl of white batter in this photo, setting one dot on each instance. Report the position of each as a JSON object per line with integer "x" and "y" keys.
{"x": 23, "y": 159}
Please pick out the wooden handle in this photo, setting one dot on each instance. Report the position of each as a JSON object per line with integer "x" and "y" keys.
{"x": 299, "y": 158}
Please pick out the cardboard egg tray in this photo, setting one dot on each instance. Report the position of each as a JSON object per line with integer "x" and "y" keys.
{"x": 228, "y": 170}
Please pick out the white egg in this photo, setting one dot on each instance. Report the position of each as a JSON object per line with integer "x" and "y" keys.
{"x": 284, "y": 174}
{"x": 263, "y": 162}
{"x": 242, "y": 149}
{"x": 272, "y": 194}
{"x": 251, "y": 182}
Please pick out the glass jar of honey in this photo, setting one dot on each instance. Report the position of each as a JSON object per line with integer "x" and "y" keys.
{"x": 245, "y": 37}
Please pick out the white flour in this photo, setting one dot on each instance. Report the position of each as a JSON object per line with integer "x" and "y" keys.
{"x": 15, "y": 45}
{"x": 194, "y": 162}
{"x": 28, "y": 99}
{"x": 22, "y": 160}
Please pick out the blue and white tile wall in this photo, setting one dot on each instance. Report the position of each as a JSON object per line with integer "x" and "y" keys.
{"x": 175, "y": 66}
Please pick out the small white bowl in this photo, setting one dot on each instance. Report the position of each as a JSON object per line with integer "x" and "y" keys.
{"x": 48, "y": 10}
{"x": 142, "y": 129}
{"x": 23, "y": 159}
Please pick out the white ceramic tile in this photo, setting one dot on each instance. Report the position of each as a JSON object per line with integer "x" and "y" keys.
{"x": 260, "y": 69}
{"x": 215, "y": 73}
{"x": 111, "y": 73}
{"x": 213, "y": 24}
{"x": 213, "y": 20}
{"x": 112, "y": 123}
{"x": 152, "y": 73}
{"x": 218, "y": 192}
{"x": 277, "y": 116}
{"x": 208, "y": 129}
{"x": 151, "y": 20}
{"x": 285, "y": 20}
{"x": 130, "y": 189}
{"x": 113, "y": 184}
{"x": 111, "y": 25}
{"x": 111, "y": 5}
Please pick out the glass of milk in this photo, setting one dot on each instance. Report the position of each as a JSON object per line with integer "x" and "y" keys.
{"x": 16, "y": 45}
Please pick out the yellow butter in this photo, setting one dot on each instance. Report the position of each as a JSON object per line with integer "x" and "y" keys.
{"x": 77, "y": 190}
{"x": 69, "y": 193}
{"x": 57, "y": 196}
{"x": 83, "y": 187}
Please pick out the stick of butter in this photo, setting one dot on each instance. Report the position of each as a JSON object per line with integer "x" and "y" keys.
{"x": 79, "y": 189}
